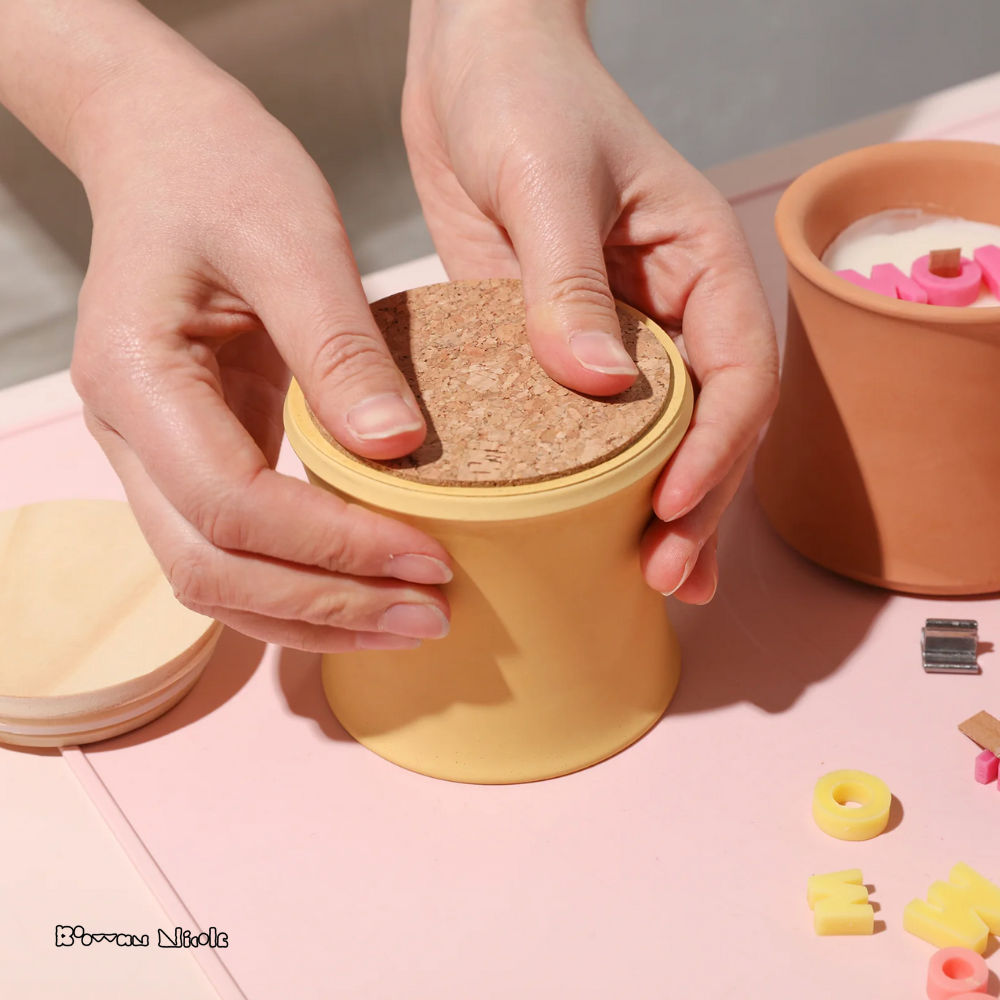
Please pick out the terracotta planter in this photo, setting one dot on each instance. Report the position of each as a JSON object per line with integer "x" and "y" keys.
{"x": 882, "y": 461}
{"x": 559, "y": 654}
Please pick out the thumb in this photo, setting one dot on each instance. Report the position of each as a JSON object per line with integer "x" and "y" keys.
{"x": 556, "y": 230}
{"x": 317, "y": 314}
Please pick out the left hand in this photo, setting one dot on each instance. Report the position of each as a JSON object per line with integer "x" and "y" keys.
{"x": 531, "y": 162}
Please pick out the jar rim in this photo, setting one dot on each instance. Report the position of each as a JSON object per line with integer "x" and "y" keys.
{"x": 360, "y": 481}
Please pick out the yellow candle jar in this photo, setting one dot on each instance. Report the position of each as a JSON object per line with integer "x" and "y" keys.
{"x": 559, "y": 654}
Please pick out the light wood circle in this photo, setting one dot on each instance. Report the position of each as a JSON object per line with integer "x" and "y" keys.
{"x": 90, "y": 630}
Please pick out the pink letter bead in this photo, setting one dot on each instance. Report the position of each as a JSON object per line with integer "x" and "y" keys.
{"x": 955, "y": 972}
{"x": 988, "y": 258}
{"x": 906, "y": 288}
{"x": 987, "y": 767}
{"x": 960, "y": 291}
{"x": 887, "y": 279}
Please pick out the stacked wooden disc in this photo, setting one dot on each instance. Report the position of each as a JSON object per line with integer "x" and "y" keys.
{"x": 93, "y": 642}
{"x": 494, "y": 417}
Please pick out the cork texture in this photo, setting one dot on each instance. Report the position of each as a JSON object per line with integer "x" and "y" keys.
{"x": 494, "y": 417}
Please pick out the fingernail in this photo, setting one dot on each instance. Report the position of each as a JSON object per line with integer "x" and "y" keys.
{"x": 715, "y": 586}
{"x": 421, "y": 621}
{"x": 688, "y": 566}
{"x": 384, "y": 640}
{"x": 684, "y": 510}
{"x": 676, "y": 517}
{"x": 382, "y": 416}
{"x": 600, "y": 352}
{"x": 417, "y": 569}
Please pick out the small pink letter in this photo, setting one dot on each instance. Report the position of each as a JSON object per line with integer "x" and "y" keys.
{"x": 987, "y": 767}
{"x": 960, "y": 291}
{"x": 988, "y": 258}
{"x": 887, "y": 279}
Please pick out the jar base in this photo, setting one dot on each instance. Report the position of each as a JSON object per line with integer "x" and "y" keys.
{"x": 501, "y": 743}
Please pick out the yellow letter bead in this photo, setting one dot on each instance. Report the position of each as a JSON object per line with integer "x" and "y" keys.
{"x": 839, "y": 902}
{"x": 862, "y": 822}
{"x": 960, "y": 912}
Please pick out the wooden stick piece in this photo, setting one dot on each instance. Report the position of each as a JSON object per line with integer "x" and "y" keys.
{"x": 946, "y": 263}
{"x": 983, "y": 729}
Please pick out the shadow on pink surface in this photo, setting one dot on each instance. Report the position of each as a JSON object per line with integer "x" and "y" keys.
{"x": 781, "y": 624}
{"x": 778, "y": 624}
{"x": 880, "y": 925}
{"x": 300, "y": 677}
{"x": 234, "y": 662}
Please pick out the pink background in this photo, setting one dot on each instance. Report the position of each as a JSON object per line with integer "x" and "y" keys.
{"x": 678, "y": 866}
{"x": 677, "y": 869}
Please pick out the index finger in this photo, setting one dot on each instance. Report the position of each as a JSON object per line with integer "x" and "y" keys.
{"x": 730, "y": 341}
{"x": 171, "y": 411}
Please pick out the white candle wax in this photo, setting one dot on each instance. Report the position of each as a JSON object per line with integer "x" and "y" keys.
{"x": 900, "y": 236}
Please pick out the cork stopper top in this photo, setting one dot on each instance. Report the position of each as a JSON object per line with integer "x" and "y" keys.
{"x": 494, "y": 417}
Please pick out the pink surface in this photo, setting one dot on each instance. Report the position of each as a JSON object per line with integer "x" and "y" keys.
{"x": 336, "y": 873}
{"x": 177, "y": 913}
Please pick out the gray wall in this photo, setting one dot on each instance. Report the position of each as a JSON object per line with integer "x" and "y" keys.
{"x": 723, "y": 78}
{"x": 719, "y": 79}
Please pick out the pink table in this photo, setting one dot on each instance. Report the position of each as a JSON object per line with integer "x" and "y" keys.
{"x": 677, "y": 869}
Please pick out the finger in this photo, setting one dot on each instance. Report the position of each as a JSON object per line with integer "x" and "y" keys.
{"x": 206, "y": 577}
{"x": 303, "y": 635}
{"x": 701, "y": 585}
{"x": 729, "y": 336}
{"x": 556, "y": 216}
{"x": 671, "y": 552}
{"x": 204, "y": 462}
{"x": 307, "y": 292}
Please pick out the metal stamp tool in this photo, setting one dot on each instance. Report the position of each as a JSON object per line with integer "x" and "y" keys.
{"x": 949, "y": 646}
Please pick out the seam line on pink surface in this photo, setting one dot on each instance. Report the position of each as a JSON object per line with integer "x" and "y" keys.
{"x": 149, "y": 871}
{"x": 40, "y": 422}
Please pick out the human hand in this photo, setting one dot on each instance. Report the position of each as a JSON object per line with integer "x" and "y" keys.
{"x": 531, "y": 162}
{"x": 219, "y": 261}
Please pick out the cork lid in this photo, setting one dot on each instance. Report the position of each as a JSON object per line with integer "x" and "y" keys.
{"x": 93, "y": 638}
{"x": 494, "y": 417}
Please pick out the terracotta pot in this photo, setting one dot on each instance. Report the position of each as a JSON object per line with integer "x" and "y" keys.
{"x": 559, "y": 653}
{"x": 882, "y": 461}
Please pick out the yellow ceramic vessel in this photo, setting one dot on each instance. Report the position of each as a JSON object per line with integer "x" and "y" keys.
{"x": 559, "y": 654}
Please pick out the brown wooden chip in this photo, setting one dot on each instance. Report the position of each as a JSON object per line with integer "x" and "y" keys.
{"x": 984, "y": 730}
{"x": 946, "y": 263}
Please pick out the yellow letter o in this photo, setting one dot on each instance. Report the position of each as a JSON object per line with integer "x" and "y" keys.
{"x": 835, "y": 817}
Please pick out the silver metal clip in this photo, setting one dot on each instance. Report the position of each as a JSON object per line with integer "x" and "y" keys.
{"x": 949, "y": 646}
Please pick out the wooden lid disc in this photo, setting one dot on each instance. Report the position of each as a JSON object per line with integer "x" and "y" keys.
{"x": 91, "y": 632}
{"x": 494, "y": 417}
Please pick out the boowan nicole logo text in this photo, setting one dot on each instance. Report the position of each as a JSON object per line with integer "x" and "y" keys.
{"x": 67, "y": 936}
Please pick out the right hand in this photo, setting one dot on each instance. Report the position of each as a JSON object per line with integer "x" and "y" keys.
{"x": 219, "y": 262}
